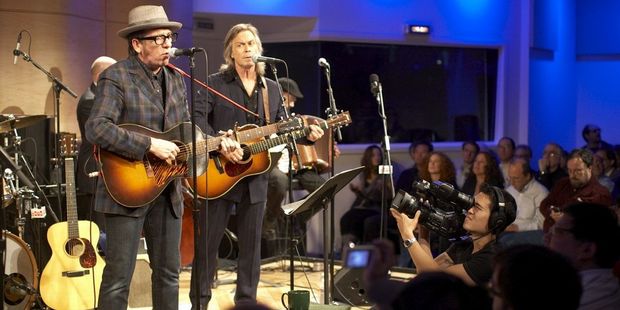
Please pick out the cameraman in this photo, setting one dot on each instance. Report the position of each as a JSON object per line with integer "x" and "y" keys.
{"x": 471, "y": 260}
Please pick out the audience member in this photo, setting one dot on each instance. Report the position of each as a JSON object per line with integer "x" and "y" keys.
{"x": 471, "y": 260}
{"x": 528, "y": 277}
{"x": 505, "y": 152}
{"x": 592, "y": 136}
{"x": 418, "y": 152}
{"x": 598, "y": 173}
{"x": 610, "y": 166}
{"x": 550, "y": 165}
{"x": 439, "y": 168}
{"x": 524, "y": 151}
{"x": 368, "y": 188}
{"x": 485, "y": 170}
{"x": 469, "y": 150}
{"x": 588, "y": 235}
{"x": 578, "y": 187}
{"x": 528, "y": 193}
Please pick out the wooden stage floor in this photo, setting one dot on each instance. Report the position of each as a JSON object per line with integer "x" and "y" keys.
{"x": 274, "y": 281}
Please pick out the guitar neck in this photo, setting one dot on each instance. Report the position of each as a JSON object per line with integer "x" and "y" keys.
{"x": 256, "y": 133}
{"x": 72, "y": 218}
{"x": 266, "y": 144}
{"x": 211, "y": 143}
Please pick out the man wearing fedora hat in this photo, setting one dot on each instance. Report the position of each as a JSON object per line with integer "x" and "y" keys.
{"x": 142, "y": 90}
{"x": 244, "y": 82}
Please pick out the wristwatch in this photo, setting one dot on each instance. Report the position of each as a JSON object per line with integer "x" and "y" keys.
{"x": 409, "y": 242}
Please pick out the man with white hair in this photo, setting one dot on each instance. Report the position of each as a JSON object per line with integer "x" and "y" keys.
{"x": 85, "y": 161}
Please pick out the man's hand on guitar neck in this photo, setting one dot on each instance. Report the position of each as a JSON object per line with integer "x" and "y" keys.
{"x": 230, "y": 148}
{"x": 315, "y": 132}
{"x": 164, "y": 149}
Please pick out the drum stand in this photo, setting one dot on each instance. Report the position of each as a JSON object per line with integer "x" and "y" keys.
{"x": 16, "y": 285}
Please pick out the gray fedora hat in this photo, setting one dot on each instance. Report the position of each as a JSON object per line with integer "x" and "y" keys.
{"x": 290, "y": 87}
{"x": 148, "y": 17}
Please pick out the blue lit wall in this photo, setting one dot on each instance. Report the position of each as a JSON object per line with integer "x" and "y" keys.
{"x": 455, "y": 21}
{"x": 552, "y": 75}
{"x": 598, "y": 68}
{"x": 565, "y": 90}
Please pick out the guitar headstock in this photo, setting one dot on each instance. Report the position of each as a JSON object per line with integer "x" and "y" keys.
{"x": 67, "y": 143}
{"x": 291, "y": 124}
{"x": 340, "y": 119}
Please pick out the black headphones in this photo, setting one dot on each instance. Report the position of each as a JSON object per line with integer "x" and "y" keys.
{"x": 498, "y": 220}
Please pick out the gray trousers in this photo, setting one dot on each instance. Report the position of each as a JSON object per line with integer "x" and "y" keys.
{"x": 162, "y": 232}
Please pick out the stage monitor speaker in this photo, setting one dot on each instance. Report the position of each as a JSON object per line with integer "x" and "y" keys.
{"x": 349, "y": 287}
{"x": 140, "y": 288}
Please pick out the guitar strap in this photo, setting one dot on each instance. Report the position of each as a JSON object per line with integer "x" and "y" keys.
{"x": 265, "y": 100}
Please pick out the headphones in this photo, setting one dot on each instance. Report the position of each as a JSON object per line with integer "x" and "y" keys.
{"x": 501, "y": 216}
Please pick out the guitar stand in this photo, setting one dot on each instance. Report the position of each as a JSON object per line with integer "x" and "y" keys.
{"x": 321, "y": 196}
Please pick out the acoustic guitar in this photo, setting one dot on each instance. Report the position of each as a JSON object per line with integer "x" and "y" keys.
{"x": 72, "y": 277}
{"x": 222, "y": 174}
{"x": 135, "y": 183}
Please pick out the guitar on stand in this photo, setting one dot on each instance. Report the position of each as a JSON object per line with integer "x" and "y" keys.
{"x": 72, "y": 277}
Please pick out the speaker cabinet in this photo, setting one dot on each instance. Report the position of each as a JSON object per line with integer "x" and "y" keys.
{"x": 349, "y": 287}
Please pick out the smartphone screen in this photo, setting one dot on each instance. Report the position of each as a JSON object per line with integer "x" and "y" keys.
{"x": 357, "y": 258}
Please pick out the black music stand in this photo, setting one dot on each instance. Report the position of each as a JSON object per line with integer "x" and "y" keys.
{"x": 322, "y": 195}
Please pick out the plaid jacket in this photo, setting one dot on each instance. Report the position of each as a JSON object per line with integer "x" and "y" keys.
{"x": 124, "y": 95}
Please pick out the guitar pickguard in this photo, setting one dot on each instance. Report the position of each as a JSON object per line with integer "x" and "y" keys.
{"x": 234, "y": 170}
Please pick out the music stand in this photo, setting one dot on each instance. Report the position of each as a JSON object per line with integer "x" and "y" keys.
{"x": 321, "y": 195}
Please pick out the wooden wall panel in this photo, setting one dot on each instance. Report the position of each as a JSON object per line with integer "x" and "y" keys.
{"x": 66, "y": 37}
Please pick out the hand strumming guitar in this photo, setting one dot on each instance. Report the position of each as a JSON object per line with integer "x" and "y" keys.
{"x": 230, "y": 148}
{"x": 164, "y": 149}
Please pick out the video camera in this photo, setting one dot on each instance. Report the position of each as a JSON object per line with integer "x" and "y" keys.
{"x": 443, "y": 208}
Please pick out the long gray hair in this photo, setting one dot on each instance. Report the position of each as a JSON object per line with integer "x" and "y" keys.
{"x": 230, "y": 36}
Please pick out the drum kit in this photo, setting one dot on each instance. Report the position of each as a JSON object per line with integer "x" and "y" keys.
{"x": 21, "y": 274}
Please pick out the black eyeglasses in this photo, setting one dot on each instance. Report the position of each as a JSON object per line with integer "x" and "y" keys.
{"x": 161, "y": 39}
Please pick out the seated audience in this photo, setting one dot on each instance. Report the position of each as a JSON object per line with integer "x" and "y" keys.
{"x": 592, "y": 135}
{"x": 588, "y": 235}
{"x": 598, "y": 173}
{"x": 528, "y": 193}
{"x": 469, "y": 150}
{"x": 550, "y": 169}
{"x": 485, "y": 170}
{"x": 418, "y": 152}
{"x": 527, "y": 277}
{"x": 505, "y": 153}
{"x": 439, "y": 167}
{"x": 524, "y": 151}
{"x": 367, "y": 187}
{"x": 578, "y": 187}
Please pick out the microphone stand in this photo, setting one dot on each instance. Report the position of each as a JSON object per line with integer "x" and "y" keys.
{"x": 386, "y": 168}
{"x": 58, "y": 87}
{"x": 328, "y": 221}
{"x": 197, "y": 268}
{"x": 293, "y": 151}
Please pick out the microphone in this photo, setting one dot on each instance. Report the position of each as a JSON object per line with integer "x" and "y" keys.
{"x": 270, "y": 60}
{"x": 323, "y": 63}
{"x": 176, "y": 52}
{"x": 374, "y": 84}
{"x": 16, "y": 51}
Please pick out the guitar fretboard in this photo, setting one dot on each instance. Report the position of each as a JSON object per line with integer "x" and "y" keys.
{"x": 72, "y": 218}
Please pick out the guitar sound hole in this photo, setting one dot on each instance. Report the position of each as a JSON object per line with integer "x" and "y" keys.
{"x": 74, "y": 247}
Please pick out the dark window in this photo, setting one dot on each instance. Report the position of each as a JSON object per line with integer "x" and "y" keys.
{"x": 433, "y": 93}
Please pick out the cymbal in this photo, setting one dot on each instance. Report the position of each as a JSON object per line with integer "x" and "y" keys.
{"x": 20, "y": 122}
